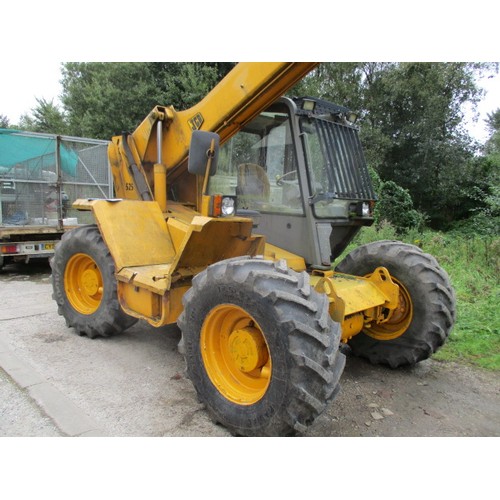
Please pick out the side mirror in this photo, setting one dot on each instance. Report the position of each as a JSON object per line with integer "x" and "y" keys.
{"x": 201, "y": 151}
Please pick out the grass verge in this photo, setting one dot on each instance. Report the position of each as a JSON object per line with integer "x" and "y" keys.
{"x": 473, "y": 265}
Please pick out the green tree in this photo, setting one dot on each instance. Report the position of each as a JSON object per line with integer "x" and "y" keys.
{"x": 45, "y": 117}
{"x": 411, "y": 123}
{"x": 492, "y": 145}
{"x": 342, "y": 83}
{"x": 419, "y": 106}
{"x": 410, "y": 116}
{"x": 104, "y": 99}
{"x": 184, "y": 84}
{"x": 4, "y": 121}
{"x": 396, "y": 206}
{"x": 483, "y": 188}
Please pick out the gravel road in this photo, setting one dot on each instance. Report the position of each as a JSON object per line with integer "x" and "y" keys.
{"x": 134, "y": 384}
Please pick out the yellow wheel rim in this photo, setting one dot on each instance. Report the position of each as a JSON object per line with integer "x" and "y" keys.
{"x": 235, "y": 354}
{"x": 83, "y": 283}
{"x": 398, "y": 320}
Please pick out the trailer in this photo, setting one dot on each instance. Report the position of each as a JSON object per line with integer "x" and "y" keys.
{"x": 40, "y": 176}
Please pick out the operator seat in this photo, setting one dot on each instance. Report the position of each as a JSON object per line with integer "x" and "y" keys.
{"x": 252, "y": 184}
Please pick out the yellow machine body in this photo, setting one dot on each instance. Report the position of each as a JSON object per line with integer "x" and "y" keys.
{"x": 159, "y": 245}
{"x": 260, "y": 323}
{"x": 156, "y": 258}
{"x": 358, "y": 302}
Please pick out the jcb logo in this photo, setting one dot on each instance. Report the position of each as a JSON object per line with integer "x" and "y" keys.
{"x": 196, "y": 122}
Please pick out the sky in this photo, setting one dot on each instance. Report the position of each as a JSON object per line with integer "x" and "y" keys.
{"x": 27, "y": 81}
{"x": 357, "y": 31}
{"x": 18, "y": 95}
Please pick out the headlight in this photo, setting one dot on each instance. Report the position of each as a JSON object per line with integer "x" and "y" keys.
{"x": 228, "y": 206}
{"x": 360, "y": 209}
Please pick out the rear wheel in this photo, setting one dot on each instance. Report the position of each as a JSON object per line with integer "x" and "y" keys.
{"x": 260, "y": 347}
{"x": 426, "y": 311}
{"x": 84, "y": 285}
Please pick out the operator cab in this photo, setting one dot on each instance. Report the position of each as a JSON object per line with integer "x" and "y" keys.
{"x": 298, "y": 170}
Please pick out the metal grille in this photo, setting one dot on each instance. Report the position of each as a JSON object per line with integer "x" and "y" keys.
{"x": 346, "y": 166}
{"x": 41, "y": 175}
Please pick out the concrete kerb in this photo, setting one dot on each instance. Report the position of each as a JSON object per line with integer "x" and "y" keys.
{"x": 68, "y": 417}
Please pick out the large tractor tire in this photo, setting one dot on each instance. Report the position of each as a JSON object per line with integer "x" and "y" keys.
{"x": 261, "y": 349}
{"x": 426, "y": 311}
{"x": 84, "y": 284}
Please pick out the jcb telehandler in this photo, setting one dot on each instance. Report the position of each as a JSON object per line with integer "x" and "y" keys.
{"x": 262, "y": 313}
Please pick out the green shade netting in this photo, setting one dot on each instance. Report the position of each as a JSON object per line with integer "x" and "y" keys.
{"x": 16, "y": 148}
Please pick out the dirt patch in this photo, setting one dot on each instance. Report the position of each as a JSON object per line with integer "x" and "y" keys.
{"x": 431, "y": 399}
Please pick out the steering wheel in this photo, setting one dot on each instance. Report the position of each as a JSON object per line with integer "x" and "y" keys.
{"x": 279, "y": 178}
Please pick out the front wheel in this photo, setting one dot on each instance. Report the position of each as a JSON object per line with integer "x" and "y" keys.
{"x": 261, "y": 349}
{"x": 426, "y": 311}
{"x": 84, "y": 284}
